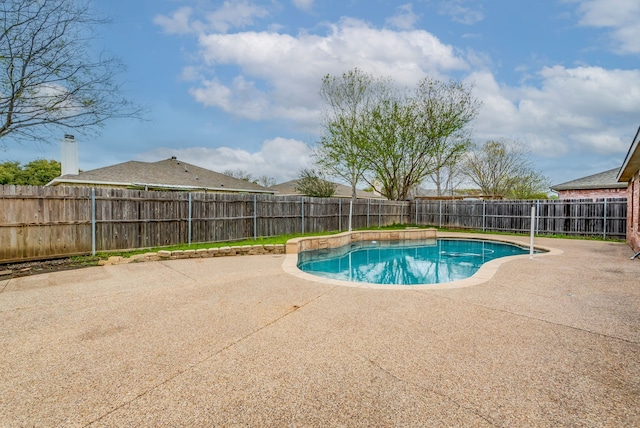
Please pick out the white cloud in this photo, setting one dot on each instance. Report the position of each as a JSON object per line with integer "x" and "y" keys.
{"x": 235, "y": 14}
{"x": 303, "y": 4}
{"x": 573, "y": 110}
{"x": 460, "y": 13}
{"x": 176, "y": 23}
{"x": 279, "y": 158}
{"x": 232, "y": 14}
{"x": 620, "y": 16}
{"x": 268, "y": 75}
{"x": 405, "y": 19}
{"x": 281, "y": 74}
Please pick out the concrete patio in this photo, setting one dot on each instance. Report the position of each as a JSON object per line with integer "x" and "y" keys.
{"x": 552, "y": 341}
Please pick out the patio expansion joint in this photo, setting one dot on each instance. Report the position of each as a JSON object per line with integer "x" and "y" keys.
{"x": 195, "y": 364}
{"x": 443, "y": 395}
{"x": 583, "y": 330}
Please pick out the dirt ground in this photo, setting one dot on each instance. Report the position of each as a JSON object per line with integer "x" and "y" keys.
{"x": 16, "y": 270}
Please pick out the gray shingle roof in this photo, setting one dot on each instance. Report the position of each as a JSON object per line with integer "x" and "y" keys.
{"x": 602, "y": 180}
{"x": 166, "y": 174}
{"x": 342, "y": 191}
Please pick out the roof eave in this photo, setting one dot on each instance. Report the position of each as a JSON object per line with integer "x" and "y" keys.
{"x": 631, "y": 162}
{"x": 611, "y": 186}
{"x": 156, "y": 185}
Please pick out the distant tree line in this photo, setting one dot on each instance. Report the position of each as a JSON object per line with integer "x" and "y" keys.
{"x": 36, "y": 173}
{"x": 263, "y": 180}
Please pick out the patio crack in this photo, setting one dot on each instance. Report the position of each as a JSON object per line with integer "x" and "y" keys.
{"x": 558, "y": 324}
{"x": 206, "y": 358}
{"x": 442, "y": 395}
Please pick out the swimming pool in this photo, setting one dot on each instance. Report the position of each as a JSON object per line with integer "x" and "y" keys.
{"x": 405, "y": 262}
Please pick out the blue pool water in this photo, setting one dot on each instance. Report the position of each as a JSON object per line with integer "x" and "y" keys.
{"x": 405, "y": 262}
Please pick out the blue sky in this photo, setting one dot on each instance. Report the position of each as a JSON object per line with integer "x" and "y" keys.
{"x": 234, "y": 84}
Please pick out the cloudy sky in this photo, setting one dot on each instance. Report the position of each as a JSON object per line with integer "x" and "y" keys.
{"x": 234, "y": 84}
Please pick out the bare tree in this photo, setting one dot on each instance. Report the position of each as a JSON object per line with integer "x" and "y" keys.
{"x": 313, "y": 183}
{"x": 265, "y": 181}
{"x": 503, "y": 168}
{"x": 239, "y": 173}
{"x": 448, "y": 177}
{"x": 49, "y": 81}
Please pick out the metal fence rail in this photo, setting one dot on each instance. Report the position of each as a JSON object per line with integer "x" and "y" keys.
{"x": 606, "y": 218}
{"x": 45, "y": 222}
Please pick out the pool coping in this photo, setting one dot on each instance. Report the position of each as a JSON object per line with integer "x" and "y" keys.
{"x": 484, "y": 274}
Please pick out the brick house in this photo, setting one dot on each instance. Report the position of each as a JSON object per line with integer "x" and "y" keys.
{"x": 630, "y": 175}
{"x": 602, "y": 185}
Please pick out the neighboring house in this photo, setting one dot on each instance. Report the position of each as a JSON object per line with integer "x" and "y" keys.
{"x": 458, "y": 195}
{"x": 168, "y": 174}
{"x": 342, "y": 191}
{"x": 601, "y": 185}
{"x": 630, "y": 175}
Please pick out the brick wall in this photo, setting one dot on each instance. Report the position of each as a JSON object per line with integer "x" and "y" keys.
{"x": 633, "y": 212}
{"x": 592, "y": 193}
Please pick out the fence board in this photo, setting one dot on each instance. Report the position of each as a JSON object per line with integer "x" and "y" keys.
{"x": 45, "y": 222}
{"x": 567, "y": 217}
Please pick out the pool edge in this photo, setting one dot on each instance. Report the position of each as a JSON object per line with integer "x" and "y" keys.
{"x": 484, "y": 274}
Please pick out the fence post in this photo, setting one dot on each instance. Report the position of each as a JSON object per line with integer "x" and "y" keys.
{"x": 379, "y": 212}
{"x": 302, "y": 199}
{"x": 416, "y": 202}
{"x": 440, "y": 215}
{"x": 533, "y": 216}
{"x": 189, "y": 221}
{"x": 484, "y": 215}
{"x": 93, "y": 221}
{"x": 538, "y": 217}
{"x": 340, "y": 215}
{"x": 255, "y": 217}
{"x": 604, "y": 220}
{"x": 368, "y": 210}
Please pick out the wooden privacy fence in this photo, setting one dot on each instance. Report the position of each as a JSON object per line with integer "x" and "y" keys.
{"x": 44, "y": 222}
{"x": 605, "y": 218}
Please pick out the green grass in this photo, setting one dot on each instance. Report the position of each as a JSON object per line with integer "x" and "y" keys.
{"x": 557, "y": 235}
{"x": 282, "y": 239}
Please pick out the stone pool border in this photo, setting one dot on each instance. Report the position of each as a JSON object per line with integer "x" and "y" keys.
{"x": 485, "y": 273}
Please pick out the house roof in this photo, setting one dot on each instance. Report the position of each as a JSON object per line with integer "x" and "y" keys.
{"x": 603, "y": 180}
{"x": 342, "y": 191}
{"x": 631, "y": 162}
{"x": 171, "y": 174}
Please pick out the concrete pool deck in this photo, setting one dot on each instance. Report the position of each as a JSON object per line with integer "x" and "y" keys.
{"x": 552, "y": 341}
